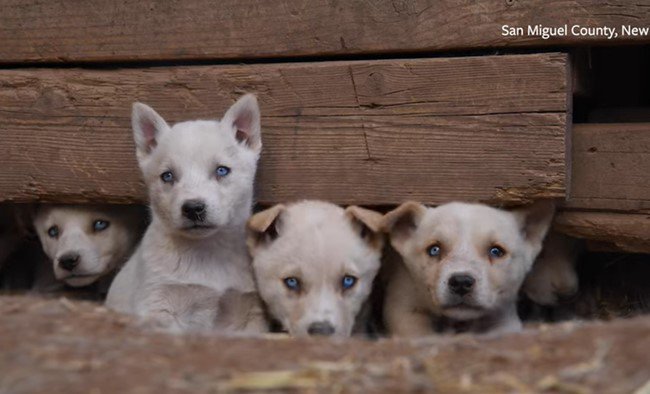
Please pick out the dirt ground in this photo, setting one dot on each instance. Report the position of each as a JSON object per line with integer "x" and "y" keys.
{"x": 58, "y": 345}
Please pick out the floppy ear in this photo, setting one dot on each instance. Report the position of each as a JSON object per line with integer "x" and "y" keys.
{"x": 244, "y": 117}
{"x": 147, "y": 125}
{"x": 401, "y": 222}
{"x": 262, "y": 228}
{"x": 534, "y": 221}
{"x": 368, "y": 224}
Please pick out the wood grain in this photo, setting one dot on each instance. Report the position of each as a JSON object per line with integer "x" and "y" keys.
{"x": 623, "y": 232}
{"x": 135, "y": 30}
{"x": 611, "y": 167}
{"x": 368, "y": 132}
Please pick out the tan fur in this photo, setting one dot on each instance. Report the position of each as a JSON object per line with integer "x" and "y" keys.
{"x": 318, "y": 243}
{"x": 419, "y": 300}
{"x": 184, "y": 265}
{"x": 101, "y": 253}
{"x": 554, "y": 273}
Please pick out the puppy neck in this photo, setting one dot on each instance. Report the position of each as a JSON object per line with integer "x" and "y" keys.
{"x": 230, "y": 236}
{"x": 485, "y": 323}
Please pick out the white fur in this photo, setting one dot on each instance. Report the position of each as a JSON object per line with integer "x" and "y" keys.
{"x": 317, "y": 243}
{"x": 182, "y": 268}
{"x": 100, "y": 253}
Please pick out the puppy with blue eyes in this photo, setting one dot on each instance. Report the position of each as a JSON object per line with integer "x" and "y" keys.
{"x": 192, "y": 270}
{"x": 460, "y": 266}
{"x": 86, "y": 244}
{"x": 315, "y": 264}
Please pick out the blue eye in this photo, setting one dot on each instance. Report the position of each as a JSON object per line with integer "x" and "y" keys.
{"x": 222, "y": 171}
{"x": 434, "y": 250}
{"x": 496, "y": 251}
{"x": 167, "y": 177}
{"x": 53, "y": 231}
{"x": 292, "y": 283}
{"x": 348, "y": 282}
{"x": 100, "y": 225}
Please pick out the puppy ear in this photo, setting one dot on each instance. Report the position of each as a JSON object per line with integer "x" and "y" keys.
{"x": 401, "y": 222}
{"x": 262, "y": 228}
{"x": 368, "y": 223}
{"x": 244, "y": 117}
{"x": 147, "y": 125}
{"x": 535, "y": 220}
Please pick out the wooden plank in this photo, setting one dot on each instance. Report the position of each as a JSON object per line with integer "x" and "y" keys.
{"x": 611, "y": 167}
{"x": 373, "y": 132}
{"x": 625, "y": 232}
{"x": 136, "y": 30}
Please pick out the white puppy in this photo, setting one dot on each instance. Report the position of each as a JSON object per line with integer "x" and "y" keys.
{"x": 193, "y": 256}
{"x": 86, "y": 244}
{"x": 463, "y": 265}
{"x": 315, "y": 264}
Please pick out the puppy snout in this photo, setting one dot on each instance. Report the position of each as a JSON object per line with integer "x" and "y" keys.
{"x": 323, "y": 328}
{"x": 194, "y": 210}
{"x": 69, "y": 261}
{"x": 461, "y": 284}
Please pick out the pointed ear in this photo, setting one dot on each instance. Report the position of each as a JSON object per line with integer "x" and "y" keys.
{"x": 147, "y": 125}
{"x": 262, "y": 228}
{"x": 534, "y": 221}
{"x": 368, "y": 224}
{"x": 244, "y": 117}
{"x": 401, "y": 222}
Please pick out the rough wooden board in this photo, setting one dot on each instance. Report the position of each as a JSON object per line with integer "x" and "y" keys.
{"x": 73, "y": 347}
{"x": 625, "y": 232}
{"x": 611, "y": 167}
{"x": 131, "y": 30}
{"x": 369, "y": 132}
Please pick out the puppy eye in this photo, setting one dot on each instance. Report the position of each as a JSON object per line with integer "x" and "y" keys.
{"x": 167, "y": 177}
{"x": 222, "y": 171}
{"x": 53, "y": 231}
{"x": 348, "y": 282}
{"x": 100, "y": 225}
{"x": 292, "y": 283}
{"x": 434, "y": 250}
{"x": 497, "y": 252}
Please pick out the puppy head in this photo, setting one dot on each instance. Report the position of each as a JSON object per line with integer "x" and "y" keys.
{"x": 553, "y": 276}
{"x": 199, "y": 173}
{"x": 471, "y": 258}
{"x": 84, "y": 242}
{"x": 315, "y": 263}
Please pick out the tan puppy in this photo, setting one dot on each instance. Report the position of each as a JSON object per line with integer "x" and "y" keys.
{"x": 315, "y": 264}
{"x": 554, "y": 273}
{"x": 86, "y": 244}
{"x": 463, "y": 266}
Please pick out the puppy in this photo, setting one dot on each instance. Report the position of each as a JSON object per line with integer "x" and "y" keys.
{"x": 554, "y": 275}
{"x": 86, "y": 244}
{"x": 199, "y": 175}
{"x": 315, "y": 264}
{"x": 463, "y": 265}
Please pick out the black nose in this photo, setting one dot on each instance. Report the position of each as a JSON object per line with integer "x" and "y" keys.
{"x": 461, "y": 284}
{"x": 69, "y": 261}
{"x": 321, "y": 328}
{"x": 194, "y": 210}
